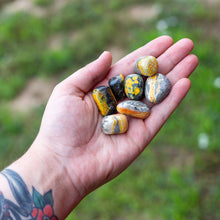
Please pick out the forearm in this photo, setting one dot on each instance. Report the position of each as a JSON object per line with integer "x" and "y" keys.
{"x": 37, "y": 173}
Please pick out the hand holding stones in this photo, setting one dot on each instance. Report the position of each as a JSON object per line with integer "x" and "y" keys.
{"x": 157, "y": 87}
{"x": 71, "y": 127}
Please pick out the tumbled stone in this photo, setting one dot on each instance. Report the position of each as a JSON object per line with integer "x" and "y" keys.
{"x": 157, "y": 87}
{"x": 134, "y": 86}
{"x": 133, "y": 108}
{"x": 116, "y": 84}
{"x": 104, "y": 100}
{"x": 114, "y": 124}
{"x": 146, "y": 66}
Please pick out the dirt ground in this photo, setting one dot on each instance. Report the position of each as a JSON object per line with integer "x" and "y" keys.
{"x": 36, "y": 93}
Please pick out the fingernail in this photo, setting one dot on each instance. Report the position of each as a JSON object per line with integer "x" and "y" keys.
{"x": 103, "y": 53}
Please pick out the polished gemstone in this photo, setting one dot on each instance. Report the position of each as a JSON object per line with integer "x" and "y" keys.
{"x": 116, "y": 84}
{"x": 134, "y": 86}
{"x": 146, "y": 66}
{"x": 114, "y": 124}
{"x": 104, "y": 100}
{"x": 133, "y": 108}
{"x": 157, "y": 87}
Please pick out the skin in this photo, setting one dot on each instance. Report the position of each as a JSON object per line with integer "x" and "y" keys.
{"x": 70, "y": 154}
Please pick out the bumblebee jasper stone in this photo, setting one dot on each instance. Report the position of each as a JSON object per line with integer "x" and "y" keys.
{"x": 114, "y": 124}
{"x": 133, "y": 108}
{"x": 117, "y": 86}
{"x": 146, "y": 66}
{"x": 134, "y": 86}
{"x": 104, "y": 100}
{"x": 157, "y": 87}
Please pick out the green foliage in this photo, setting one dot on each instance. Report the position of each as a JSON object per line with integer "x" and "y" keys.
{"x": 165, "y": 193}
{"x": 55, "y": 60}
{"x": 21, "y": 29}
{"x": 9, "y": 123}
{"x": 10, "y": 128}
{"x": 21, "y": 40}
{"x": 75, "y": 15}
{"x": 17, "y": 132}
{"x": 43, "y": 3}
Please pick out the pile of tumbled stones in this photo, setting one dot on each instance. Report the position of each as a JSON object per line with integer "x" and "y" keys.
{"x": 155, "y": 88}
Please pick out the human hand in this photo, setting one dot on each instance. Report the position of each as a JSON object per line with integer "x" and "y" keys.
{"x": 71, "y": 126}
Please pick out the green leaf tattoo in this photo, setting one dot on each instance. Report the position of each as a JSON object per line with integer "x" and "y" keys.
{"x": 35, "y": 206}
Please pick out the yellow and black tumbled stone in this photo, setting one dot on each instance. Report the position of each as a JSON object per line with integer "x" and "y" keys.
{"x": 114, "y": 124}
{"x": 134, "y": 108}
{"x": 116, "y": 84}
{"x": 104, "y": 100}
{"x": 134, "y": 86}
{"x": 157, "y": 87}
{"x": 146, "y": 66}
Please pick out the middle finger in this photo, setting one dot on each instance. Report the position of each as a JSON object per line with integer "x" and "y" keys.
{"x": 173, "y": 55}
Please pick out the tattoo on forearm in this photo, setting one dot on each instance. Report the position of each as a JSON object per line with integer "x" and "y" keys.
{"x": 28, "y": 206}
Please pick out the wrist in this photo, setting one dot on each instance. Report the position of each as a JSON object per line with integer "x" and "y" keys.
{"x": 41, "y": 169}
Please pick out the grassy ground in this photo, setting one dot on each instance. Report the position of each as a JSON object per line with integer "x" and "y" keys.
{"x": 177, "y": 177}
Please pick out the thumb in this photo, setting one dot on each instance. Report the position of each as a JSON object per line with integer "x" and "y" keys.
{"x": 83, "y": 80}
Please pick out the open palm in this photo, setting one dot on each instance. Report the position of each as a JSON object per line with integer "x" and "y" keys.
{"x": 71, "y": 126}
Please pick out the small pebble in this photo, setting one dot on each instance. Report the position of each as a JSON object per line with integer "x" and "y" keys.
{"x": 133, "y": 108}
{"x": 117, "y": 86}
{"x": 114, "y": 124}
{"x": 146, "y": 66}
{"x": 134, "y": 86}
{"x": 104, "y": 100}
{"x": 157, "y": 87}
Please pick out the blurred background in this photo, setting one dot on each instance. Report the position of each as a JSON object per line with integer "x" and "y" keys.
{"x": 43, "y": 41}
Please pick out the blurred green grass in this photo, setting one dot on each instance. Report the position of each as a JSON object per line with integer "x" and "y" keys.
{"x": 175, "y": 178}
